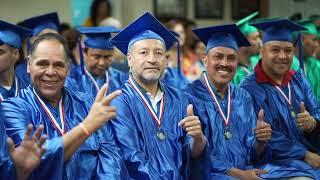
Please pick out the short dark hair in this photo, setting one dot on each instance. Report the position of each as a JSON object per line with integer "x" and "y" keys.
{"x": 52, "y": 37}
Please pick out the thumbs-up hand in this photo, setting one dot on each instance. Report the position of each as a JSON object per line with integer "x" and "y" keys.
{"x": 304, "y": 120}
{"x": 192, "y": 125}
{"x": 263, "y": 130}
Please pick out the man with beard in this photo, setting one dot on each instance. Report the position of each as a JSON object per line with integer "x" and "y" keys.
{"x": 155, "y": 127}
{"x": 286, "y": 98}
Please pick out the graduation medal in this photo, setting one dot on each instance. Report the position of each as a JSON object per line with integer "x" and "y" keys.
{"x": 160, "y": 134}
{"x": 288, "y": 100}
{"x": 61, "y": 130}
{"x": 227, "y": 133}
{"x": 293, "y": 114}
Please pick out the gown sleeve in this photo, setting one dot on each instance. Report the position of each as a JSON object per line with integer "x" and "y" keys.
{"x": 110, "y": 163}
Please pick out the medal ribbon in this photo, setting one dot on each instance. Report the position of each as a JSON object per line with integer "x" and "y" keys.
{"x": 61, "y": 130}
{"x": 225, "y": 119}
{"x": 288, "y": 100}
{"x": 17, "y": 90}
{"x": 94, "y": 81}
{"x": 150, "y": 109}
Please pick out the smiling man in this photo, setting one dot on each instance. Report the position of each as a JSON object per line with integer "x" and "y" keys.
{"x": 146, "y": 128}
{"x": 46, "y": 23}
{"x": 286, "y": 98}
{"x": 238, "y": 138}
{"x": 71, "y": 119}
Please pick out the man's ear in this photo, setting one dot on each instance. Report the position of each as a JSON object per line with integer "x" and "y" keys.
{"x": 261, "y": 52}
{"x": 205, "y": 60}
{"x": 129, "y": 59}
{"x": 16, "y": 55}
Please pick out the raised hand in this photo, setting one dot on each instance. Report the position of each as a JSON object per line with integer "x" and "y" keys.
{"x": 263, "y": 130}
{"x": 191, "y": 124}
{"x": 101, "y": 111}
{"x": 26, "y": 157}
{"x": 304, "y": 120}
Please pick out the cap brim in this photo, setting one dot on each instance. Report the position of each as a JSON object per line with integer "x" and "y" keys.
{"x": 23, "y": 32}
{"x": 283, "y": 23}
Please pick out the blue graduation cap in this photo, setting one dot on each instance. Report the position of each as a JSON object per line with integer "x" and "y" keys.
{"x": 278, "y": 30}
{"x": 282, "y": 30}
{"x": 12, "y": 34}
{"x": 225, "y": 35}
{"x": 98, "y": 37}
{"x": 145, "y": 27}
{"x": 39, "y": 23}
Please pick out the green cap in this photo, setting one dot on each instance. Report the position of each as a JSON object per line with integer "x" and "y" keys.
{"x": 265, "y": 19}
{"x": 309, "y": 25}
{"x": 244, "y": 25}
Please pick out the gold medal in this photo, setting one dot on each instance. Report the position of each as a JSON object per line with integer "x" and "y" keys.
{"x": 161, "y": 136}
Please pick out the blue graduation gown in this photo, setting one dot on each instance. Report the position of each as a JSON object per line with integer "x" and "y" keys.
{"x": 85, "y": 84}
{"x": 97, "y": 158}
{"x": 6, "y": 166}
{"x": 145, "y": 156}
{"x": 12, "y": 91}
{"x": 74, "y": 70}
{"x": 239, "y": 151}
{"x": 175, "y": 78}
{"x": 21, "y": 72}
{"x": 288, "y": 141}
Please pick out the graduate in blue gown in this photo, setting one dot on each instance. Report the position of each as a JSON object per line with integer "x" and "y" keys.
{"x": 156, "y": 132}
{"x": 11, "y": 37}
{"x": 238, "y": 139}
{"x": 95, "y": 68}
{"x": 286, "y": 98}
{"x": 39, "y": 25}
{"x": 86, "y": 153}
